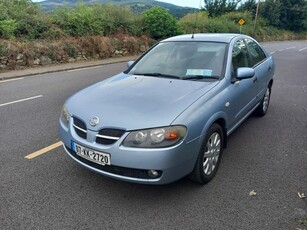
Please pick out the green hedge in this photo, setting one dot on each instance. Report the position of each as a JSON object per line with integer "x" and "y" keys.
{"x": 23, "y": 20}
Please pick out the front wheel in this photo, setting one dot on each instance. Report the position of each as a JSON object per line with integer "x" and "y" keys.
{"x": 209, "y": 156}
{"x": 264, "y": 104}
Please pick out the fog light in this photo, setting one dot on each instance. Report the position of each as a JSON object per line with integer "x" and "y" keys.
{"x": 153, "y": 173}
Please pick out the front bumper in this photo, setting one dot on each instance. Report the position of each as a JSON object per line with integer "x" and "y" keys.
{"x": 134, "y": 164}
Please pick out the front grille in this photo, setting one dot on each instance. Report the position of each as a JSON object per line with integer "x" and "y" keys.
{"x": 109, "y": 136}
{"x": 80, "y": 128}
{"x": 122, "y": 171}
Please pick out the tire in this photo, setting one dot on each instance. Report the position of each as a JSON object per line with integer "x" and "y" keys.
{"x": 209, "y": 156}
{"x": 262, "y": 109}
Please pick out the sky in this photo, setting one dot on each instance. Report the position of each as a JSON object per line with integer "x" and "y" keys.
{"x": 190, "y": 3}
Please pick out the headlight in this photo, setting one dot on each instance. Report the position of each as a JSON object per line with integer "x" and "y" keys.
{"x": 65, "y": 116}
{"x": 155, "y": 138}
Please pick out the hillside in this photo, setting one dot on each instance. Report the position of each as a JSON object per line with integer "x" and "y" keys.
{"x": 137, "y": 6}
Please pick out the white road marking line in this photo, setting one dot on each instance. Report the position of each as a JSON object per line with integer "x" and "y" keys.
{"x": 15, "y": 79}
{"x": 273, "y": 52}
{"x": 44, "y": 150}
{"x": 21, "y": 100}
{"x": 303, "y": 49}
{"x": 74, "y": 70}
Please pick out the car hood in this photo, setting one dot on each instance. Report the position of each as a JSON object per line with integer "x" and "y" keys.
{"x": 135, "y": 102}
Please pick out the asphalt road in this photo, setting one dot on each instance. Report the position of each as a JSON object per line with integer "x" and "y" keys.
{"x": 50, "y": 191}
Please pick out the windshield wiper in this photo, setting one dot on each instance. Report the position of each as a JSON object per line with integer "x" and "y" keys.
{"x": 158, "y": 75}
{"x": 199, "y": 77}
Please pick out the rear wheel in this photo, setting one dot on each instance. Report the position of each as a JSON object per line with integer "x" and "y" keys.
{"x": 209, "y": 156}
{"x": 264, "y": 104}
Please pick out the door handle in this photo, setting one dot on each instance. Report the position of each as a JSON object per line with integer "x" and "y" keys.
{"x": 269, "y": 69}
{"x": 255, "y": 80}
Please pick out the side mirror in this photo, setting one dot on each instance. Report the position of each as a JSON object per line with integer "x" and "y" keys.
{"x": 245, "y": 73}
{"x": 130, "y": 63}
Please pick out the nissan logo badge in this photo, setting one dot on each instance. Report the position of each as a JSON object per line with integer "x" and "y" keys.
{"x": 94, "y": 121}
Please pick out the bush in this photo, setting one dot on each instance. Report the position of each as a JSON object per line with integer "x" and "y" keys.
{"x": 235, "y": 17}
{"x": 158, "y": 23}
{"x": 80, "y": 21}
{"x": 227, "y": 23}
{"x": 193, "y": 22}
{"x": 215, "y": 26}
{"x": 201, "y": 23}
{"x": 120, "y": 19}
{"x": 3, "y": 49}
{"x": 92, "y": 20}
{"x": 8, "y": 28}
{"x": 71, "y": 50}
{"x": 22, "y": 18}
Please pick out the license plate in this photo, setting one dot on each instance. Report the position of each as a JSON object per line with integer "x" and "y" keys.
{"x": 92, "y": 155}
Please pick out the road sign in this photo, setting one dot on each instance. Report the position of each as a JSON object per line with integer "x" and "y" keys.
{"x": 241, "y": 21}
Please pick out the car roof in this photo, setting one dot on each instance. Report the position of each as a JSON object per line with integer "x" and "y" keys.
{"x": 209, "y": 37}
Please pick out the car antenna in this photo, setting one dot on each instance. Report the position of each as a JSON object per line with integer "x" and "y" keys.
{"x": 195, "y": 21}
{"x": 194, "y": 27}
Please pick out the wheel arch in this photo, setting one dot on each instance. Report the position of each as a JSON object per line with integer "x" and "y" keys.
{"x": 220, "y": 119}
{"x": 222, "y": 123}
{"x": 199, "y": 173}
{"x": 271, "y": 83}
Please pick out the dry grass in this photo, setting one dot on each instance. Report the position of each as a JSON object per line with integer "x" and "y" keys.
{"x": 70, "y": 49}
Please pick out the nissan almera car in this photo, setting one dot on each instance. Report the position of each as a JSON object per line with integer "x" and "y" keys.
{"x": 170, "y": 113}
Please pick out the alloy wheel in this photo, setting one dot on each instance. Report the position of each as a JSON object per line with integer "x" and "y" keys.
{"x": 212, "y": 153}
{"x": 266, "y": 100}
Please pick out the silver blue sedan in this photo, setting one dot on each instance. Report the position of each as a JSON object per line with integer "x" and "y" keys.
{"x": 170, "y": 113}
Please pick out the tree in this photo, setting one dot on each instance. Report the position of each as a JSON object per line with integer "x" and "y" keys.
{"x": 249, "y": 5}
{"x": 158, "y": 23}
{"x": 216, "y": 8}
{"x": 293, "y": 15}
{"x": 270, "y": 10}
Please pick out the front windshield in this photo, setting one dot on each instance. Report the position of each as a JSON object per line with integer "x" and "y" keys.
{"x": 183, "y": 60}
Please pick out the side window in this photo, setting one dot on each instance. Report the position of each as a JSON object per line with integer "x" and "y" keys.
{"x": 257, "y": 54}
{"x": 239, "y": 56}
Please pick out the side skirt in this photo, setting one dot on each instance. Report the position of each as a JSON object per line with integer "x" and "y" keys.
{"x": 242, "y": 119}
